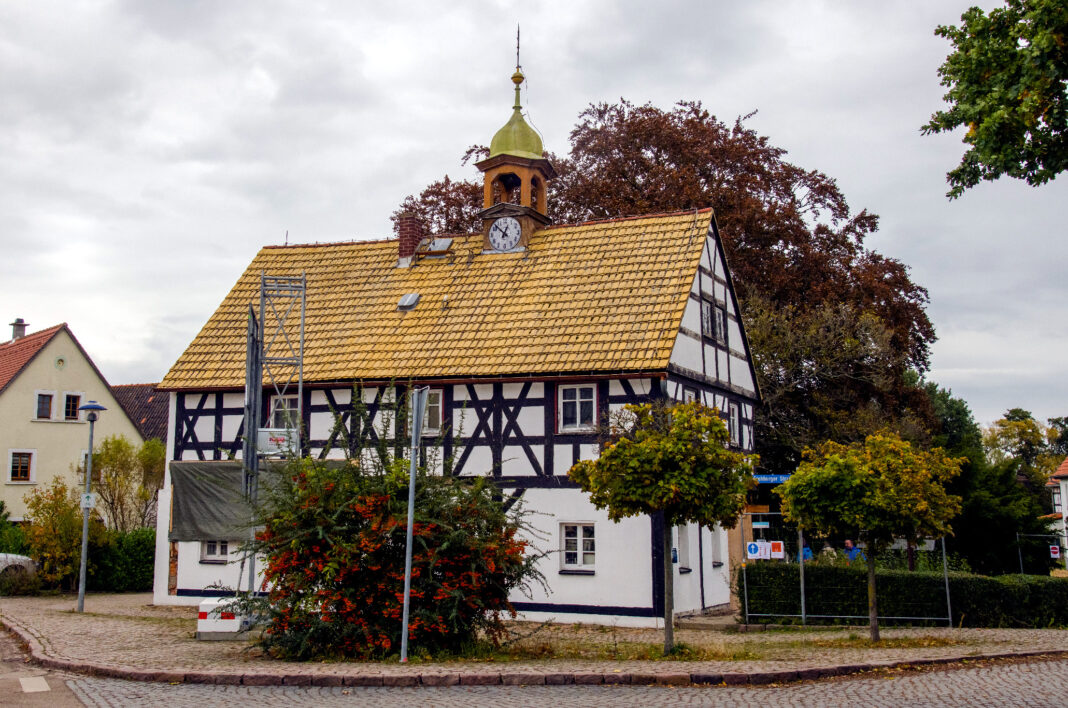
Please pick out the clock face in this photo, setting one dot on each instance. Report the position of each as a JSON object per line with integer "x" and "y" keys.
{"x": 504, "y": 233}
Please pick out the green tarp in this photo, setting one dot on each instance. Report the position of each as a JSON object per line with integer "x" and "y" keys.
{"x": 207, "y": 502}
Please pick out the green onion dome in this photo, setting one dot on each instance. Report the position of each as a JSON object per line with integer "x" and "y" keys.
{"x": 517, "y": 137}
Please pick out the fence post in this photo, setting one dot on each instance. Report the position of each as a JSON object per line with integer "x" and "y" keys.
{"x": 945, "y": 575}
{"x": 745, "y": 577}
{"x": 801, "y": 565}
{"x": 1019, "y": 552}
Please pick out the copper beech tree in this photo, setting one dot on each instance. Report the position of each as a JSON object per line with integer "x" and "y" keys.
{"x": 1006, "y": 78}
{"x": 796, "y": 252}
{"x": 882, "y": 488}
{"x": 670, "y": 461}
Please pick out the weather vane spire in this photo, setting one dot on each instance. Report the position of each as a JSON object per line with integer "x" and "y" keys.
{"x": 517, "y": 64}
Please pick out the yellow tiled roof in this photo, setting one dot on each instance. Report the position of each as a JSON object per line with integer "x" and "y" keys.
{"x": 594, "y": 297}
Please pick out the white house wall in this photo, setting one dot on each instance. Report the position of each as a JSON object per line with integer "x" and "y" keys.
{"x": 717, "y": 373}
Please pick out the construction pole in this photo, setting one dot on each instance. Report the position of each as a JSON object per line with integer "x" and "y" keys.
{"x": 418, "y": 407}
{"x": 801, "y": 565}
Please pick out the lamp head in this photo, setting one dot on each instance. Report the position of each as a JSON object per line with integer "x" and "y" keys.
{"x": 92, "y": 407}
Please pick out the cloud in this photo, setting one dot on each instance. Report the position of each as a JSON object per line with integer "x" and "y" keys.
{"x": 151, "y": 148}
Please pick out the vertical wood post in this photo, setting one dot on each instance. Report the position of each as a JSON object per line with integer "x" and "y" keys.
{"x": 669, "y": 592}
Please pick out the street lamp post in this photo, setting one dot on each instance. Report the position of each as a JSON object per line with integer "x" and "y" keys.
{"x": 92, "y": 407}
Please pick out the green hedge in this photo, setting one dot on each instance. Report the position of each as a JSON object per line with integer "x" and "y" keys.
{"x": 977, "y": 600}
{"x": 123, "y": 562}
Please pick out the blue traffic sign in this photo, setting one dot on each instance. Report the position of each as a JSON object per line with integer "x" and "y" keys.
{"x": 771, "y": 478}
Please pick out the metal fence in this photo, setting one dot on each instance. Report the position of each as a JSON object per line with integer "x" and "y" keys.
{"x": 767, "y": 536}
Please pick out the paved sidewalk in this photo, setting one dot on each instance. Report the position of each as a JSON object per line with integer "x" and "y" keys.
{"x": 125, "y": 636}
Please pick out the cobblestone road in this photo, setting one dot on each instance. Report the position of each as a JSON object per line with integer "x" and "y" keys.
{"x": 1032, "y": 683}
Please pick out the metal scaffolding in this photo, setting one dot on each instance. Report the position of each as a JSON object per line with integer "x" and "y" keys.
{"x": 275, "y": 352}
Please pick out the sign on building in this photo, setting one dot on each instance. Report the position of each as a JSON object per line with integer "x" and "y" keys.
{"x": 278, "y": 441}
{"x": 765, "y": 550}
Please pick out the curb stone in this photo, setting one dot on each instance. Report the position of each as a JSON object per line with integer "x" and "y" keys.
{"x": 437, "y": 678}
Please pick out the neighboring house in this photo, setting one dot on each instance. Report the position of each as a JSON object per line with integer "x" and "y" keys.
{"x": 44, "y": 377}
{"x": 1058, "y": 483}
{"x": 146, "y": 407}
{"x": 530, "y": 336}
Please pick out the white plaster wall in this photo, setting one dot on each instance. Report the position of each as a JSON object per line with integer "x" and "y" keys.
{"x": 687, "y": 352}
{"x": 623, "y": 565}
{"x": 691, "y": 316}
{"x": 740, "y": 374}
{"x": 162, "y": 560}
{"x": 531, "y": 420}
{"x": 479, "y": 462}
{"x": 514, "y": 461}
{"x": 687, "y": 586}
{"x": 561, "y": 459}
{"x": 194, "y": 574}
{"x": 717, "y": 580}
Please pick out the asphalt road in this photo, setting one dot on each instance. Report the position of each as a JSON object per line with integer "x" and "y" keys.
{"x": 1000, "y": 685}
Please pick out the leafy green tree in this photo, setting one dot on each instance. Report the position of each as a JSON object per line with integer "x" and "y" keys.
{"x": 54, "y": 532}
{"x": 127, "y": 480}
{"x": 1033, "y": 446}
{"x": 995, "y": 506}
{"x": 827, "y": 372}
{"x": 882, "y": 488}
{"x": 1058, "y": 436}
{"x": 670, "y": 461}
{"x": 1006, "y": 78}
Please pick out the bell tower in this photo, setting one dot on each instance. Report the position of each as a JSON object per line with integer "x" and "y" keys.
{"x": 515, "y": 177}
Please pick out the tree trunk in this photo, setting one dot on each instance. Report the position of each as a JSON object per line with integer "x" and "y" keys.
{"x": 873, "y": 613}
{"x": 911, "y": 545}
{"x": 669, "y": 593}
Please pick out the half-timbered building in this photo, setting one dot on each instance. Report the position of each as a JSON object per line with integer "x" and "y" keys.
{"x": 529, "y": 335}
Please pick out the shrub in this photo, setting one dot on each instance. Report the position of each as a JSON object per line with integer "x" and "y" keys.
{"x": 54, "y": 533}
{"x": 334, "y": 547}
{"x": 977, "y": 600}
{"x": 122, "y": 562}
{"x": 12, "y": 537}
{"x": 17, "y": 581}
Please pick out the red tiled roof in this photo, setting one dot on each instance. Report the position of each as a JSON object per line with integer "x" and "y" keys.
{"x": 1062, "y": 471}
{"x": 146, "y": 407}
{"x": 16, "y": 354}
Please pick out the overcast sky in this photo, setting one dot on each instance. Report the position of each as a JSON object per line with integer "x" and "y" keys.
{"x": 149, "y": 149}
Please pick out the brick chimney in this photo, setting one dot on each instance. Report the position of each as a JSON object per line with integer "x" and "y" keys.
{"x": 18, "y": 329}
{"x": 410, "y": 231}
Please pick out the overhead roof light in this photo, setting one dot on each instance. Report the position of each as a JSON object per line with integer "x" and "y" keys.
{"x": 408, "y": 302}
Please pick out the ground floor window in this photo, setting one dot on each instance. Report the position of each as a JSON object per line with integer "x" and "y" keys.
{"x": 214, "y": 551}
{"x": 21, "y": 469}
{"x": 578, "y": 547}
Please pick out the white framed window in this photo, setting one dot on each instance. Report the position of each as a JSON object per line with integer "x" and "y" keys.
{"x": 682, "y": 549}
{"x": 1056, "y": 501}
{"x": 734, "y": 423}
{"x": 21, "y": 466}
{"x": 44, "y": 405}
{"x": 434, "y": 414}
{"x": 285, "y": 412}
{"x": 214, "y": 551}
{"x": 578, "y": 547}
{"x": 714, "y": 321}
{"x": 577, "y": 408}
{"x": 71, "y": 402}
{"x": 689, "y": 395}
